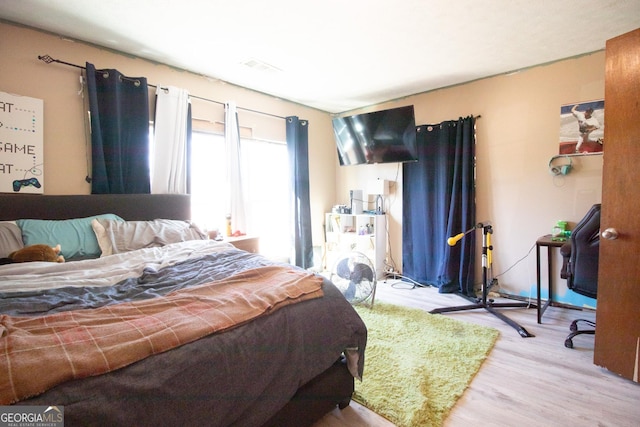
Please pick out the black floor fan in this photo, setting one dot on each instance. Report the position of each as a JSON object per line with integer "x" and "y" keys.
{"x": 484, "y": 302}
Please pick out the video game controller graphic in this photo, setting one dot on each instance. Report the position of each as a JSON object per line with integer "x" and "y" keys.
{"x": 19, "y": 183}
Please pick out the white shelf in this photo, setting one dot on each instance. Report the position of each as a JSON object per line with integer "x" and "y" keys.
{"x": 365, "y": 233}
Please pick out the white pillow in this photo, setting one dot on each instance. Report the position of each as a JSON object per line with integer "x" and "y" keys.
{"x": 124, "y": 236}
{"x": 101, "y": 236}
{"x": 10, "y": 238}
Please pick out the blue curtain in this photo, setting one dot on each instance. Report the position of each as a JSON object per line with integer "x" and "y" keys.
{"x": 119, "y": 110}
{"x": 298, "y": 149}
{"x": 439, "y": 202}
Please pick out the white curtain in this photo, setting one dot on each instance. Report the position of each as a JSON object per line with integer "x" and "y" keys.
{"x": 169, "y": 150}
{"x": 234, "y": 169}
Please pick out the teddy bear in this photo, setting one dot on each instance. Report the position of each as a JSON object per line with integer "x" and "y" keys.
{"x": 37, "y": 253}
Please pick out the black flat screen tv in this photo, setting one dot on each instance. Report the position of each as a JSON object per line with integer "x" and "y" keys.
{"x": 387, "y": 136}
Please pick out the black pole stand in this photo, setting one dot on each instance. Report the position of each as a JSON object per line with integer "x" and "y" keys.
{"x": 485, "y": 303}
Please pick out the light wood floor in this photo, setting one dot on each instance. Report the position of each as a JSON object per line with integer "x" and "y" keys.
{"x": 524, "y": 381}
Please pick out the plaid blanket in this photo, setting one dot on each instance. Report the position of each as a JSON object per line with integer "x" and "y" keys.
{"x": 39, "y": 352}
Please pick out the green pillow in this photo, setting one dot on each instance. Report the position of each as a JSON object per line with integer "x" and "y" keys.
{"x": 75, "y": 236}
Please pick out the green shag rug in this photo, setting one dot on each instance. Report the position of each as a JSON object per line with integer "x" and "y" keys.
{"x": 418, "y": 364}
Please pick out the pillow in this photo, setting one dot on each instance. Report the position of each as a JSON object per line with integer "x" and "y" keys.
{"x": 101, "y": 235}
{"x": 123, "y": 236}
{"x": 75, "y": 236}
{"x": 10, "y": 238}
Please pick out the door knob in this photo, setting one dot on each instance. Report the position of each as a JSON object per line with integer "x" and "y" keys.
{"x": 610, "y": 234}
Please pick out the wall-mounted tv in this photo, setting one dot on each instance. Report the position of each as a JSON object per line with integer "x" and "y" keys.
{"x": 387, "y": 136}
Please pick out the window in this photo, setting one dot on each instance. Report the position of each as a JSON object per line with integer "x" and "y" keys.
{"x": 266, "y": 189}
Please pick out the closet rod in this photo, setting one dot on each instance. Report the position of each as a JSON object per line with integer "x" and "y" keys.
{"x": 47, "y": 59}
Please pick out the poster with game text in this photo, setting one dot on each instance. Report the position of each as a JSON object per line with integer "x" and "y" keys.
{"x": 21, "y": 144}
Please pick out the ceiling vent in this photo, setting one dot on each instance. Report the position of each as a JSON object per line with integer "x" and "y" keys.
{"x": 256, "y": 64}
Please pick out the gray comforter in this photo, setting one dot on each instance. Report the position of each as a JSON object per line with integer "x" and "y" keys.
{"x": 240, "y": 377}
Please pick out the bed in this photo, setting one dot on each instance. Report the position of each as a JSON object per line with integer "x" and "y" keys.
{"x": 285, "y": 355}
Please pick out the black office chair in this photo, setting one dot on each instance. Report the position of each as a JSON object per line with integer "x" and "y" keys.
{"x": 580, "y": 265}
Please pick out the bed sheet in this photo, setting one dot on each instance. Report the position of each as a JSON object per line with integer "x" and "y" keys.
{"x": 105, "y": 271}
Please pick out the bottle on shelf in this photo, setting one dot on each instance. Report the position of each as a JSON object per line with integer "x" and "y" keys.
{"x": 229, "y": 231}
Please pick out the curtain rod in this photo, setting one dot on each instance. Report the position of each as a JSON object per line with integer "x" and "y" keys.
{"x": 47, "y": 59}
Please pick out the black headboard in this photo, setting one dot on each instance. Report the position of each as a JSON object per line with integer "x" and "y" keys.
{"x": 131, "y": 207}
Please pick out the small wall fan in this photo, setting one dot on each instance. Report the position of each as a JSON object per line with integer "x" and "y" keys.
{"x": 355, "y": 276}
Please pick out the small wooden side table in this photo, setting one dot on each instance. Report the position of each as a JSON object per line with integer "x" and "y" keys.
{"x": 245, "y": 243}
{"x": 549, "y": 243}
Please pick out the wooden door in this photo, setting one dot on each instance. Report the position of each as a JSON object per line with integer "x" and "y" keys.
{"x": 617, "y": 341}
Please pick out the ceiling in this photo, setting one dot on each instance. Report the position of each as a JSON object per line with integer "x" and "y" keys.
{"x": 337, "y": 55}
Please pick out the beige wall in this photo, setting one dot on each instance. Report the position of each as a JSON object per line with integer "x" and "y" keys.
{"x": 64, "y": 142}
{"x": 516, "y": 136}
